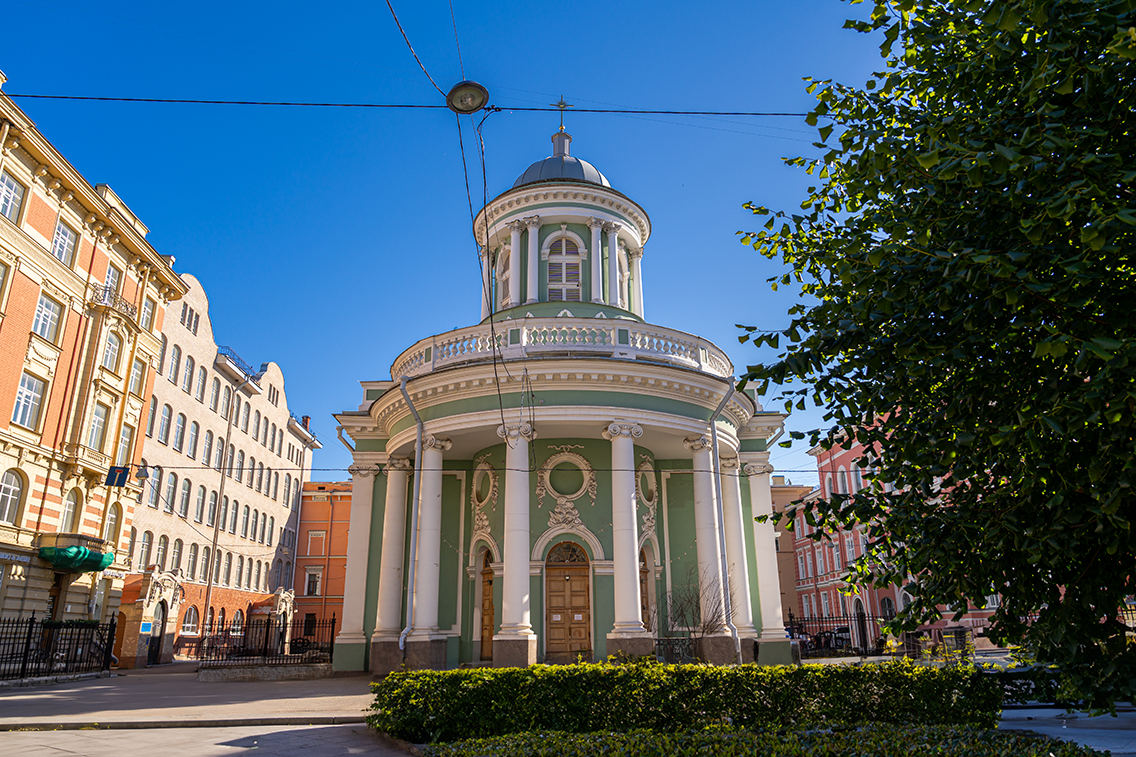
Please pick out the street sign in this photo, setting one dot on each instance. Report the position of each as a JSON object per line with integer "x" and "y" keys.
{"x": 118, "y": 475}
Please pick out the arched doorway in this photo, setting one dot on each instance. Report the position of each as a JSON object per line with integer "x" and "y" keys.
{"x": 861, "y": 640}
{"x": 569, "y": 606}
{"x": 157, "y": 634}
{"x": 487, "y": 616}
{"x": 644, "y": 589}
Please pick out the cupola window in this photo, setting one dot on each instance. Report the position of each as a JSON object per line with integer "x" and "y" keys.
{"x": 503, "y": 279}
{"x": 564, "y": 271}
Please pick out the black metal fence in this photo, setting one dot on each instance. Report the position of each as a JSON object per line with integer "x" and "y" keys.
{"x": 32, "y": 647}
{"x": 841, "y": 635}
{"x": 266, "y": 641}
{"x": 675, "y": 649}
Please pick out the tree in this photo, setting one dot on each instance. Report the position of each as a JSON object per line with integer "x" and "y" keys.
{"x": 967, "y": 260}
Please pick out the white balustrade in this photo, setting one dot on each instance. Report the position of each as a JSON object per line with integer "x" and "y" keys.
{"x": 551, "y": 336}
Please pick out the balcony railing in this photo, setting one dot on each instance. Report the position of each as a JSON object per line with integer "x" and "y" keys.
{"x": 554, "y": 337}
{"x": 229, "y": 354}
{"x": 107, "y": 296}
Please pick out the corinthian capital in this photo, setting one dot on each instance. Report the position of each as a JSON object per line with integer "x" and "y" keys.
{"x": 516, "y": 432}
{"x": 516, "y": 225}
{"x": 635, "y": 253}
{"x": 757, "y": 469}
{"x": 439, "y": 443}
{"x": 697, "y": 443}
{"x": 631, "y": 430}
{"x": 611, "y": 227}
{"x": 595, "y": 223}
{"x": 532, "y": 221}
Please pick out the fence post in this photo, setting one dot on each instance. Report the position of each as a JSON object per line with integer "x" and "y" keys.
{"x": 109, "y": 645}
{"x": 267, "y": 633}
{"x": 27, "y": 646}
{"x": 331, "y": 647}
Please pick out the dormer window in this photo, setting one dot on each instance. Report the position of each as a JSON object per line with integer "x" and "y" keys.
{"x": 564, "y": 271}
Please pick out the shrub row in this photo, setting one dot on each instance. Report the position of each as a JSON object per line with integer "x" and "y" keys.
{"x": 871, "y": 741}
{"x": 428, "y": 706}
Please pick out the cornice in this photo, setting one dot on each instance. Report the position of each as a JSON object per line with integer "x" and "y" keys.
{"x": 514, "y": 201}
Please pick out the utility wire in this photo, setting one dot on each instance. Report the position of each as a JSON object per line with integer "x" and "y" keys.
{"x": 399, "y": 25}
{"x": 454, "y": 20}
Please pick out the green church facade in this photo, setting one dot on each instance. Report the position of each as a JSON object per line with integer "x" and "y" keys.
{"x": 562, "y": 480}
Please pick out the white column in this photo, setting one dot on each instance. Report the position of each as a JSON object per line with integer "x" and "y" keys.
{"x": 486, "y": 289}
{"x": 388, "y": 620}
{"x": 596, "y": 253}
{"x": 765, "y": 556}
{"x": 515, "y": 229}
{"x": 624, "y": 533}
{"x": 428, "y": 570}
{"x": 637, "y": 280}
{"x": 740, "y": 602}
{"x": 355, "y": 580}
{"x": 612, "y": 230}
{"x": 532, "y": 286}
{"x": 706, "y": 533}
{"x": 515, "y": 612}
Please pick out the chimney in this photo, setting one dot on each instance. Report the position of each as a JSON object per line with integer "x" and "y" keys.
{"x": 304, "y": 421}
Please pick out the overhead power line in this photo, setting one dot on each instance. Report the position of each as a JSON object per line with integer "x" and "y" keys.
{"x": 405, "y": 106}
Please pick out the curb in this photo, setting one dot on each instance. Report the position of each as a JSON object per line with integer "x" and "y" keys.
{"x": 211, "y": 723}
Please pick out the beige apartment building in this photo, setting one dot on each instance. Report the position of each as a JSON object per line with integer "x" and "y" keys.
{"x": 224, "y": 464}
{"x": 83, "y": 297}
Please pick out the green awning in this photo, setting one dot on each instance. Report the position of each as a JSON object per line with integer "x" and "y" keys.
{"x": 76, "y": 559}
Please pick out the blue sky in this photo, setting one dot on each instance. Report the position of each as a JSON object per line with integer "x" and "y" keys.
{"x": 329, "y": 239}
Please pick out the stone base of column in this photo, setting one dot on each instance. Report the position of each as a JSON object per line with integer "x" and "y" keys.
{"x": 633, "y": 646}
{"x": 716, "y": 650}
{"x": 514, "y": 651}
{"x": 780, "y": 652}
{"x": 385, "y": 657}
{"x": 749, "y": 648}
{"x": 425, "y": 653}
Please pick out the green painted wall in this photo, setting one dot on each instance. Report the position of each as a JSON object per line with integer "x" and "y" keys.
{"x": 378, "y": 510}
{"x": 682, "y": 562}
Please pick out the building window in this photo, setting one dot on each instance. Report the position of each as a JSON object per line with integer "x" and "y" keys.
{"x": 240, "y": 465}
{"x": 28, "y": 399}
{"x": 263, "y": 526}
{"x": 255, "y": 520}
{"x": 110, "y": 530}
{"x": 240, "y": 571}
{"x": 98, "y": 427}
{"x": 179, "y": 432}
{"x": 171, "y": 491}
{"x": 191, "y": 563}
{"x": 212, "y": 509}
{"x": 72, "y": 503}
{"x": 110, "y": 353}
{"x": 245, "y": 419}
{"x": 202, "y": 376}
{"x": 47, "y": 315}
{"x": 63, "y": 245}
{"x": 113, "y": 278}
{"x": 564, "y": 271}
{"x": 887, "y": 608}
{"x": 207, "y": 448}
{"x": 164, "y": 424}
{"x": 245, "y": 522}
{"x": 257, "y": 582}
{"x": 214, "y": 394}
{"x": 229, "y": 569}
{"x": 146, "y": 317}
{"x": 271, "y": 528}
{"x": 137, "y": 377}
{"x": 190, "y": 621}
{"x": 183, "y": 502}
{"x": 226, "y": 399}
{"x": 160, "y": 555}
{"x": 256, "y": 425}
{"x": 205, "y": 566}
{"x": 155, "y": 485}
{"x": 503, "y": 267}
{"x": 191, "y": 446}
{"x": 11, "y": 197}
{"x": 315, "y": 542}
{"x": 144, "y": 550}
{"x": 175, "y": 364}
{"x": 312, "y": 583}
{"x": 199, "y": 511}
{"x": 233, "y": 519}
{"x": 187, "y": 377}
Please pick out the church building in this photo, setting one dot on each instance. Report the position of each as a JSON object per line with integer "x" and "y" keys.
{"x": 564, "y": 479}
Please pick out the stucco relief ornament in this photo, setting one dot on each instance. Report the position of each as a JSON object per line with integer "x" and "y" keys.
{"x": 482, "y": 469}
{"x": 647, "y": 495}
{"x": 162, "y": 583}
{"x": 564, "y": 514}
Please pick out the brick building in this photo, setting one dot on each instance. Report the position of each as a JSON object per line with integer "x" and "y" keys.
{"x": 784, "y": 493}
{"x": 321, "y": 550}
{"x": 83, "y": 298}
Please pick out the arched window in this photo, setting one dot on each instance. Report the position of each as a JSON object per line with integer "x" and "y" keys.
{"x": 190, "y": 621}
{"x": 187, "y": 376}
{"x": 224, "y": 512}
{"x": 155, "y": 485}
{"x": 229, "y": 462}
{"x": 279, "y": 572}
{"x": 296, "y": 496}
{"x": 72, "y": 504}
{"x": 164, "y": 424}
{"x": 857, "y": 479}
{"x": 162, "y": 356}
{"x": 245, "y": 522}
{"x": 887, "y": 608}
{"x": 202, "y": 376}
{"x": 828, "y": 490}
{"x": 209, "y": 621}
{"x": 110, "y": 353}
{"x": 228, "y": 567}
{"x": 503, "y": 267}
{"x": 191, "y": 445}
{"x": 110, "y": 528}
{"x": 240, "y": 570}
{"x": 175, "y": 556}
{"x": 241, "y": 465}
{"x": 179, "y": 432}
{"x": 133, "y": 540}
{"x": 564, "y": 271}
{"x": 233, "y": 520}
{"x": 252, "y": 471}
{"x": 841, "y": 481}
{"x": 171, "y": 492}
{"x": 221, "y": 617}
{"x": 263, "y": 526}
{"x": 191, "y": 563}
{"x": 217, "y": 567}
{"x": 11, "y": 494}
{"x": 245, "y": 419}
{"x": 226, "y": 399}
{"x": 276, "y": 486}
{"x": 220, "y": 453}
{"x": 238, "y": 622}
{"x": 271, "y": 528}
{"x": 280, "y": 443}
{"x": 207, "y": 448}
{"x": 212, "y": 509}
{"x": 255, "y": 521}
{"x": 144, "y": 550}
{"x": 199, "y": 510}
{"x": 248, "y": 575}
{"x": 287, "y": 489}
{"x": 288, "y": 573}
{"x": 258, "y": 575}
{"x": 183, "y": 501}
{"x": 153, "y": 414}
{"x": 175, "y": 364}
{"x": 272, "y": 440}
{"x": 256, "y": 425}
{"x": 214, "y": 394}
{"x": 260, "y": 476}
{"x": 205, "y": 564}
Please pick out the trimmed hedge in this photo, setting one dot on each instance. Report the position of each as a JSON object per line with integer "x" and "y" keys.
{"x": 871, "y": 741}
{"x": 427, "y": 706}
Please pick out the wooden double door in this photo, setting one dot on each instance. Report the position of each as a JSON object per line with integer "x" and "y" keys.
{"x": 568, "y": 617}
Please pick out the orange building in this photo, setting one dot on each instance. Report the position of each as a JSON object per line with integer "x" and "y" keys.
{"x": 784, "y": 493}
{"x": 83, "y": 298}
{"x": 321, "y": 549}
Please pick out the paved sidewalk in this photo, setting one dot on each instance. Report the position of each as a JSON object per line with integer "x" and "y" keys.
{"x": 170, "y": 696}
{"x": 1105, "y": 732}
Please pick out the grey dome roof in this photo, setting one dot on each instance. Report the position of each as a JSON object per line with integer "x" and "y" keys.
{"x": 561, "y": 165}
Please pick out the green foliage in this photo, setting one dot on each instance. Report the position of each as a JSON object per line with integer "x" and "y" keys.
{"x": 426, "y": 706}
{"x": 872, "y": 741}
{"x": 968, "y": 253}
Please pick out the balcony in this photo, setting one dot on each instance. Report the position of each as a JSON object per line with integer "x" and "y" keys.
{"x": 563, "y": 337}
{"x": 230, "y": 363}
{"x": 105, "y": 296}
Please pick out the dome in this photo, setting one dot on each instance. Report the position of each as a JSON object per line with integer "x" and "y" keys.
{"x": 561, "y": 166}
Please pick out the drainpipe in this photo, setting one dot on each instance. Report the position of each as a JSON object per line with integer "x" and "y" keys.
{"x": 413, "y": 520}
{"x": 724, "y": 567}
